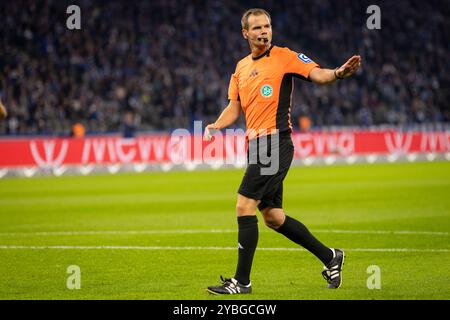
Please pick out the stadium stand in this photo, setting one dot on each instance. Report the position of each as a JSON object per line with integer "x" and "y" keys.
{"x": 169, "y": 62}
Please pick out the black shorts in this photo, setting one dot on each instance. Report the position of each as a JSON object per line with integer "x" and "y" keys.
{"x": 263, "y": 180}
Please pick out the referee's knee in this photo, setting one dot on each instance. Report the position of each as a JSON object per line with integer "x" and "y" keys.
{"x": 273, "y": 224}
{"x": 245, "y": 209}
{"x": 274, "y": 218}
{"x": 246, "y": 206}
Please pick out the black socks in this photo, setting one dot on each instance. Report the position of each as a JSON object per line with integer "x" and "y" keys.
{"x": 248, "y": 240}
{"x": 292, "y": 229}
{"x": 295, "y": 231}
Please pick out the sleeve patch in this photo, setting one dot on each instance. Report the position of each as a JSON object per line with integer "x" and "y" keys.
{"x": 304, "y": 58}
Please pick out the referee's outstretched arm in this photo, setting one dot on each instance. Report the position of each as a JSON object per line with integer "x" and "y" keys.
{"x": 326, "y": 76}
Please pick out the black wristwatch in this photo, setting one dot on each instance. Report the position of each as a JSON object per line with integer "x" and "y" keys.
{"x": 335, "y": 74}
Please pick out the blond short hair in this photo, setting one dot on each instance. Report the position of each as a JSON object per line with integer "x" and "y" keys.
{"x": 254, "y": 11}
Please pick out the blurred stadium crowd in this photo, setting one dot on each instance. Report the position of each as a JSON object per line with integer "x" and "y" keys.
{"x": 168, "y": 62}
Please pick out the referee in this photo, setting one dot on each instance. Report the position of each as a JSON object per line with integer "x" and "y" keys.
{"x": 262, "y": 86}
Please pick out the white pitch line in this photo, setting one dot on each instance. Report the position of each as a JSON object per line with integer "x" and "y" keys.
{"x": 152, "y": 248}
{"x": 397, "y": 232}
{"x": 198, "y": 231}
{"x": 113, "y": 232}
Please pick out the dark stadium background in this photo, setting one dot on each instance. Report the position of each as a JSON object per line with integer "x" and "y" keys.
{"x": 168, "y": 63}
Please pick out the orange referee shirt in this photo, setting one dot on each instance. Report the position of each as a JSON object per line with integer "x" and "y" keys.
{"x": 264, "y": 87}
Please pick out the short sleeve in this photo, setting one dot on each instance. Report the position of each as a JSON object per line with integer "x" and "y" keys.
{"x": 233, "y": 89}
{"x": 299, "y": 63}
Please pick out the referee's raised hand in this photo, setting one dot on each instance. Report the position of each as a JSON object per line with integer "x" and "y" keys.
{"x": 348, "y": 68}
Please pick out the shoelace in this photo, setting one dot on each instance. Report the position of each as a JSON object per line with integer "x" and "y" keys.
{"x": 226, "y": 281}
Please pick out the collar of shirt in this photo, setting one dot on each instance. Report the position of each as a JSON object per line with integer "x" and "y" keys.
{"x": 265, "y": 53}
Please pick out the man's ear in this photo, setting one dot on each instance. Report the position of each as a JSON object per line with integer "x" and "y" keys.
{"x": 245, "y": 33}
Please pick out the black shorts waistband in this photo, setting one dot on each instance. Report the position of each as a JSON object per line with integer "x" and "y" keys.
{"x": 282, "y": 135}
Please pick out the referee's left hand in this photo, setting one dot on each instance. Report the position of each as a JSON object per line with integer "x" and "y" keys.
{"x": 350, "y": 67}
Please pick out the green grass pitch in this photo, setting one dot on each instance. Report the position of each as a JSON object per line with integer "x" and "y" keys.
{"x": 170, "y": 235}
